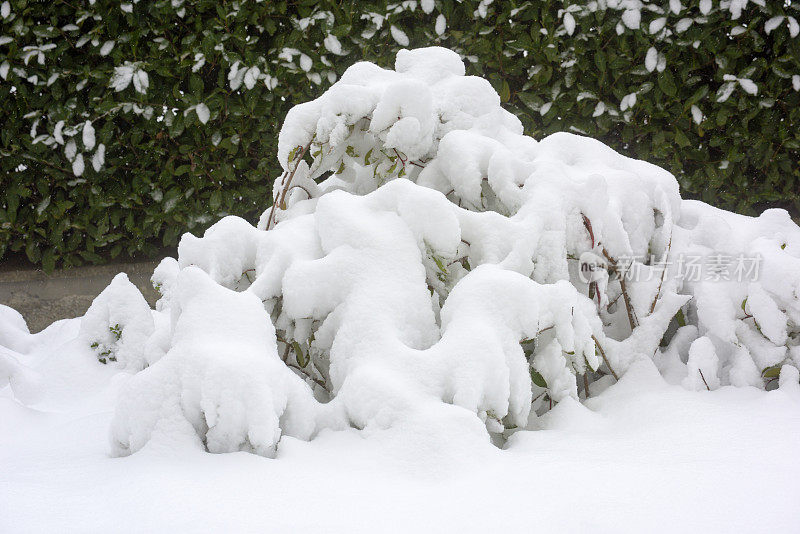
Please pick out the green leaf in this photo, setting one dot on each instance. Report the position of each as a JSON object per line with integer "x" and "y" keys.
{"x": 667, "y": 83}
{"x": 505, "y": 92}
{"x": 538, "y": 379}
{"x": 680, "y": 318}
{"x": 300, "y": 356}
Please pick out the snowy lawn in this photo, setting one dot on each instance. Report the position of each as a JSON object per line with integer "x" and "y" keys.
{"x": 641, "y": 456}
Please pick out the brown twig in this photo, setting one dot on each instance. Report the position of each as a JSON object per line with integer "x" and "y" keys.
{"x": 704, "y": 379}
{"x": 274, "y": 203}
{"x": 297, "y": 186}
{"x": 603, "y": 355}
{"x": 402, "y": 161}
{"x": 663, "y": 274}
{"x": 623, "y": 286}
{"x": 588, "y": 224}
{"x": 286, "y": 186}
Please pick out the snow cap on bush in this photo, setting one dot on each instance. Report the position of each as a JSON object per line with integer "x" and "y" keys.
{"x": 118, "y": 324}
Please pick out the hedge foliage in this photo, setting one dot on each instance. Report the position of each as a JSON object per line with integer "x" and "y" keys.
{"x": 126, "y": 124}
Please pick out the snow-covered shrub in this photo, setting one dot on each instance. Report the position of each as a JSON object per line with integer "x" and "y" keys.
{"x": 423, "y": 260}
{"x": 220, "y": 383}
{"x": 118, "y": 324}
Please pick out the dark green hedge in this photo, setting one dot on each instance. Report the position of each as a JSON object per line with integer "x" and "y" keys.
{"x": 556, "y": 64}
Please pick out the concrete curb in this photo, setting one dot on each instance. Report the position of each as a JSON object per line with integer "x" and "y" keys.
{"x": 43, "y": 298}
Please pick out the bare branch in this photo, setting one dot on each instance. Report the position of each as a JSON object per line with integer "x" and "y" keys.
{"x": 605, "y": 359}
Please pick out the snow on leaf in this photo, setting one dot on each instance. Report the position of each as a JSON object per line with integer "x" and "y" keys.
{"x": 735, "y": 7}
{"x": 199, "y": 61}
{"x": 427, "y": 6}
{"x": 599, "y": 109}
{"x": 234, "y": 71}
{"x": 441, "y": 24}
{"x": 796, "y": 82}
{"x": 697, "y": 115}
{"x": 675, "y": 6}
{"x": 88, "y": 135}
{"x": 99, "y": 157}
{"x": 4, "y": 70}
{"x": 772, "y": 24}
{"x": 70, "y": 150}
{"x": 251, "y": 76}
{"x": 662, "y": 63}
{"x": 657, "y": 25}
{"x": 705, "y": 6}
{"x": 43, "y": 205}
{"x": 794, "y": 27}
{"x": 683, "y": 25}
{"x": 628, "y": 101}
{"x": 140, "y": 81}
{"x": 725, "y": 91}
{"x": 121, "y": 78}
{"x": 203, "y": 113}
{"x": 108, "y": 46}
{"x": 399, "y": 36}
{"x": 651, "y": 60}
{"x": 749, "y": 86}
{"x": 569, "y": 23}
{"x": 632, "y": 18}
{"x": 235, "y": 76}
{"x": 305, "y": 62}
{"x": 5, "y": 9}
{"x": 126, "y": 8}
{"x": 78, "y": 165}
{"x": 57, "y": 135}
{"x": 332, "y": 44}
{"x": 545, "y": 108}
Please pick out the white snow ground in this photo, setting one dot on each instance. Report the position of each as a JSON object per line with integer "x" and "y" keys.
{"x": 642, "y": 456}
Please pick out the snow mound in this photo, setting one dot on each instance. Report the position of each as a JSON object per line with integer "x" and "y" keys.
{"x": 14, "y": 333}
{"x": 220, "y": 384}
{"x": 425, "y": 265}
{"x": 118, "y": 324}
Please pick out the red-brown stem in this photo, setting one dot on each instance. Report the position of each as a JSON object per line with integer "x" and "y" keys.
{"x": 588, "y": 224}
{"x": 623, "y": 286}
{"x": 704, "y": 379}
{"x": 603, "y": 355}
{"x": 663, "y": 274}
{"x": 288, "y": 183}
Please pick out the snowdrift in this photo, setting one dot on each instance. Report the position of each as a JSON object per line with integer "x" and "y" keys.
{"x": 424, "y": 265}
